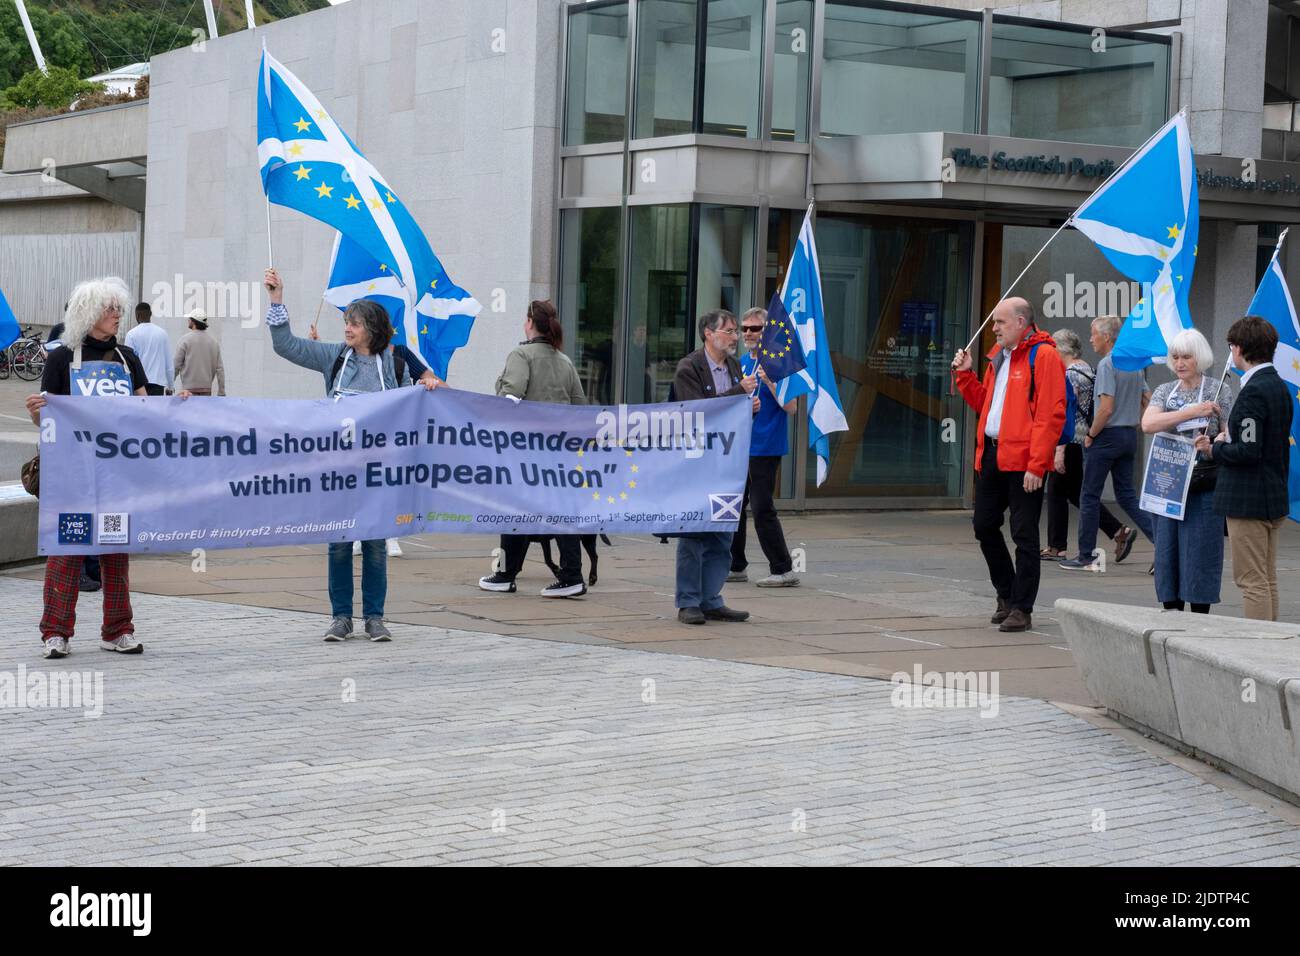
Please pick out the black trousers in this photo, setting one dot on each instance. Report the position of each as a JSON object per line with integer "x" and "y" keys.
{"x": 515, "y": 547}
{"x": 997, "y": 492}
{"x": 760, "y": 491}
{"x": 1063, "y": 491}
{"x": 151, "y": 389}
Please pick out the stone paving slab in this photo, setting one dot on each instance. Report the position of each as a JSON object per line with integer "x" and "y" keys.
{"x": 239, "y": 738}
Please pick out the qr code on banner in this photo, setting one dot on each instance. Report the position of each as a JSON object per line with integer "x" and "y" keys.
{"x": 112, "y": 528}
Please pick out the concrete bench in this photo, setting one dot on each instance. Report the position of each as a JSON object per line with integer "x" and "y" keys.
{"x": 18, "y": 514}
{"x": 1224, "y": 688}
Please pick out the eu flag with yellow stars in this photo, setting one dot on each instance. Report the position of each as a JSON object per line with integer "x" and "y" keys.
{"x": 779, "y": 351}
{"x": 310, "y": 164}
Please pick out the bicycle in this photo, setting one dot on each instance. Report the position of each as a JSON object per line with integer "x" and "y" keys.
{"x": 27, "y": 356}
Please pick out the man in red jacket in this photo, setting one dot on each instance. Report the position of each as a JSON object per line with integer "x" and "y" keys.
{"x": 1022, "y": 414}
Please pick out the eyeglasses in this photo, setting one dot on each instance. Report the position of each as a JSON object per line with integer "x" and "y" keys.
{"x": 353, "y": 321}
{"x": 752, "y": 328}
{"x": 726, "y": 331}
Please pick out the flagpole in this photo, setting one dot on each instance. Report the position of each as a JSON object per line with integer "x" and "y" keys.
{"x": 1068, "y": 221}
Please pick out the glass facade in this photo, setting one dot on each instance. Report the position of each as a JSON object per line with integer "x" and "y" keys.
{"x": 792, "y": 70}
{"x": 660, "y": 326}
{"x": 899, "y": 289}
{"x": 595, "y": 102}
{"x": 897, "y": 297}
{"x": 1065, "y": 84}
{"x": 733, "y": 67}
{"x": 665, "y": 67}
{"x": 892, "y": 70}
{"x": 589, "y": 264}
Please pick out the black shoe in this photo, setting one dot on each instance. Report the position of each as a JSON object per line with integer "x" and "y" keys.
{"x": 498, "y": 582}
{"x": 724, "y": 613}
{"x": 561, "y": 590}
{"x": 1001, "y": 613}
{"x": 1017, "y": 620}
{"x": 690, "y": 615}
{"x": 89, "y": 584}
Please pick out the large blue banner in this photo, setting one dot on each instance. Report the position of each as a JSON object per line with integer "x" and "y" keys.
{"x": 134, "y": 474}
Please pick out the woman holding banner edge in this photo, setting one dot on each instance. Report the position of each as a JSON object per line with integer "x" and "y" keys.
{"x": 361, "y": 363}
{"x": 1189, "y": 553}
{"x": 90, "y": 364}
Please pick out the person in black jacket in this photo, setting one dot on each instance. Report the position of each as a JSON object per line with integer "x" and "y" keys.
{"x": 1254, "y": 465}
{"x": 704, "y": 557}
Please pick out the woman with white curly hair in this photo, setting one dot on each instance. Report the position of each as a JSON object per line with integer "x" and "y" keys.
{"x": 1189, "y": 553}
{"x": 92, "y": 364}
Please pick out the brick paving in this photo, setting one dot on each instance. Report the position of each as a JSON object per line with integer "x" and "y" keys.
{"x": 240, "y": 738}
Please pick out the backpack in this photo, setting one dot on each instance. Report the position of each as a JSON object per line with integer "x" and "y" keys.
{"x": 1071, "y": 402}
{"x": 400, "y": 353}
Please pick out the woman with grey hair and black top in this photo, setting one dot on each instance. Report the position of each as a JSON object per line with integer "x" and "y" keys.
{"x": 1064, "y": 482}
{"x": 361, "y": 363}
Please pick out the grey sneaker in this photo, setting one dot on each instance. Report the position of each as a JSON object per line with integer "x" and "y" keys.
{"x": 737, "y": 577}
{"x": 340, "y": 629}
{"x": 55, "y": 647}
{"x": 787, "y": 580}
{"x": 376, "y": 631}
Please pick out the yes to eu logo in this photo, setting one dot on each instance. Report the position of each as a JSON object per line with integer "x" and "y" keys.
{"x": 74, "y": 527}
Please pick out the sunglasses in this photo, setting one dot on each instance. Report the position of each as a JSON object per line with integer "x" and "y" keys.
{"x": 751, "y": 328}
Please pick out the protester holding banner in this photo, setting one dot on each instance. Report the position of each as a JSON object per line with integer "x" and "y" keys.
{"x": 539, "y": 371}
{"x": 1064, "y": 482}
{"x": 704, "y": 557}
{"x": 1189, "y": 553}
{"x": 94, "y": 365}
{"x": 361, "y": 363}
{"x": 1254, "y": 456}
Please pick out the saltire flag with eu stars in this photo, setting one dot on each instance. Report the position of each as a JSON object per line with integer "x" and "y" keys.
{"x": 310, "y": 164}
{"x": 801, "y": 298}
{"x": 443, "y": 328}
{"x": 1273, "y": 304}
{"x": 779, "y": 351}
{"x": 1145, "y": 219}
{"x": 9, "y": 330}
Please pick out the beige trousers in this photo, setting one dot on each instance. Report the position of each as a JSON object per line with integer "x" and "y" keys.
{"x": 1254, "y": 564}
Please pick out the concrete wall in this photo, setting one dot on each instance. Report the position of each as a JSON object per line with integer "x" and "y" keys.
{"x": 460, "y": 118}
{"x": 52, "y": 236}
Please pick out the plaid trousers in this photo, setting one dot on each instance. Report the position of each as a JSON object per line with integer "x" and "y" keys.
{"x": 63, "y": 584}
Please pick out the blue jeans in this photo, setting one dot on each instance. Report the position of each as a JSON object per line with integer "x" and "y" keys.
{"x": 374, "y": 578}
{"x": 1111, "y": 453}
{"x": 703, "y": 562}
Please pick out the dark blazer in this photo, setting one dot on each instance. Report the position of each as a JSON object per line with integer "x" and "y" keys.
{"x": 694, "y": 380}
{"x": 1252, "y": 480}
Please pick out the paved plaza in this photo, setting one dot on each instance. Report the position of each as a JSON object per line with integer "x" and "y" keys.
{"x": 239, "y": 737}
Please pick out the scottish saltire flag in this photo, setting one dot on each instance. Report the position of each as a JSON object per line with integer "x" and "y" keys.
{"x": 1273, "y": 303}
{"x": 801, "y": 296}
{"x": 1145, "y": 220}
{"x": 9, "y": 330}
{"x": 779, "y": 351}
{"x": 310, "y": 164}
{"x": 442, "y": 328}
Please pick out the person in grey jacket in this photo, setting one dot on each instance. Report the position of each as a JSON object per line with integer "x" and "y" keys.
{"x": 539, "y": 371}
{"x": 361, "y": 363}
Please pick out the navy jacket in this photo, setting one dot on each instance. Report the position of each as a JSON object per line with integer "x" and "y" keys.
{"x": 1255, "y": 465}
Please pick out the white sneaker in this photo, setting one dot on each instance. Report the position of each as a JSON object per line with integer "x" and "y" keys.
{"x": 787, "y": 580}
{"x": 394, "y": 549}
{"x": 126, "y": 644}
{"x": 356, "y": 548}
{"x": 56, "y": 647}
